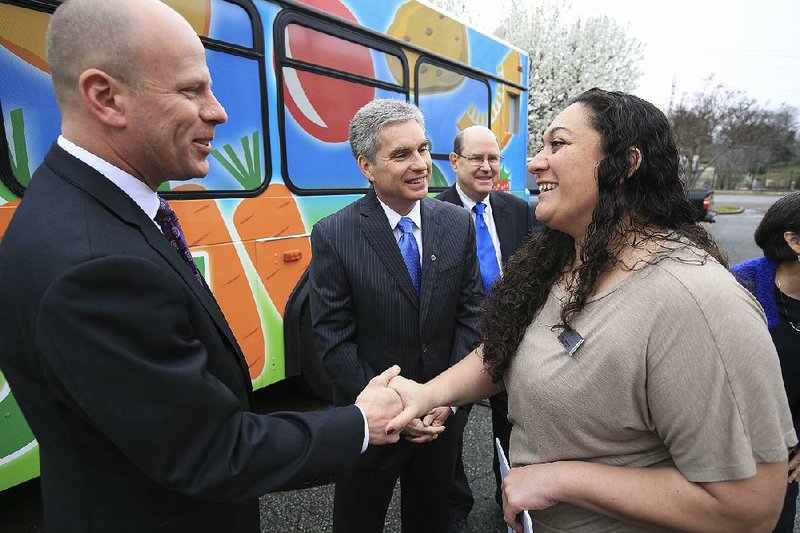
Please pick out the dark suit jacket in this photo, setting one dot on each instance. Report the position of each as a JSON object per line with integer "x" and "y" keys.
{"x": 131, "y": 379}
{"x": 512, "y": 217}
{"x": 366, "y": 314}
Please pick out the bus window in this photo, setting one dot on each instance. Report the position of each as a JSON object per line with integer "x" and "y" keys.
{"x": 326, "y": 78}
{"x": 313, "y": 47}
{"x": 448, "y": 112}
{"x": 230, "y": 22}
{"x": 238, "y": 162}
{"x": 513, "y": 113}
{"x": 235, "y": 60}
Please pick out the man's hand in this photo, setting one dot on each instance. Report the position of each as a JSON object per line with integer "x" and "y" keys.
{"x": 418, "y": 433}
{"x": 794, "y": 462}
{"x": 415, "y": 403}
{"x": 437, "y": 416}
{"x": 379, "y": 404}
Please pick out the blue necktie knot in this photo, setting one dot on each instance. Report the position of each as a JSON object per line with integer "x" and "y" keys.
{"x": 487, "y": 255}
{"x": 410, "y": 251}
{"x": 406, "y": 225}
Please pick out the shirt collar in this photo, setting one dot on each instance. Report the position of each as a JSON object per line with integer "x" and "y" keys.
{"x": 139, "y": 192}
{"x": 415, "y": 215}
{"x": 469, "y": 203}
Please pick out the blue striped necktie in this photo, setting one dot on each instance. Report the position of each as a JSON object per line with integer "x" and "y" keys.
{"x": 410, "y": 251}
{"x": 487, "y": 256}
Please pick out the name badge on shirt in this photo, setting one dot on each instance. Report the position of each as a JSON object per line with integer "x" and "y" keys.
{"x": 570, "y": 340}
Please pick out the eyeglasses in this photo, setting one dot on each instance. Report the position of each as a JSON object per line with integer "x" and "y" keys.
{"x": 477, "y": 160}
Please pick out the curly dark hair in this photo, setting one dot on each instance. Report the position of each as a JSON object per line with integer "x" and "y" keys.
{"x": 649, "y": 205}
{"x": 783, "y": 215}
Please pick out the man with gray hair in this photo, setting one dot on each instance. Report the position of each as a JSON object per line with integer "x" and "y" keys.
{"x": 119, "y": 357}
{"x": 395, "y": 280}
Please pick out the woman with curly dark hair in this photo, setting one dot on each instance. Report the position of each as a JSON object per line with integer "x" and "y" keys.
{"x": 625, "y": 346}
{"x": 774, "y": 280}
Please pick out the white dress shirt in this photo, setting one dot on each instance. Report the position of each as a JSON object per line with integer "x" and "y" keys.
{"x": 142, "y": 195}
{"x": 416, "y": 217}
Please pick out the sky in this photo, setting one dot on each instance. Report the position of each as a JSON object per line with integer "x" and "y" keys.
{"x": 748, "y": 45}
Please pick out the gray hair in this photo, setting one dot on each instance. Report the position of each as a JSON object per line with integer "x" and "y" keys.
{"x": 86, "y": 34}
{"x": 368, "y": 121}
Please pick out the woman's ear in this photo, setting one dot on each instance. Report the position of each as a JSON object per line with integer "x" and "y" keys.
{"x": 634, "y": 160}
{"x": 793, "y": 241}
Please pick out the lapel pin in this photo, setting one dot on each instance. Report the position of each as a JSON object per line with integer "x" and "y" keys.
{"x": 433, "y": 257}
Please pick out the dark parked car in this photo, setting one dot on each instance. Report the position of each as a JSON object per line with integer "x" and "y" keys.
{"x": 703, "y": 202}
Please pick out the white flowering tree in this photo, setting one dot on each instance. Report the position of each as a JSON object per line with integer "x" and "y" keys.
{"x": 568, "y": 55}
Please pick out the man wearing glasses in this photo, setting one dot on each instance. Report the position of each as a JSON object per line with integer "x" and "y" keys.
{"x": 502, "y": 221}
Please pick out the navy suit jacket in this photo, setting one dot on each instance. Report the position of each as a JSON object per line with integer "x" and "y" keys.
{"x": 513, "y": 218}
{"x": 130, "y": 377}
{"x": 366, "y": 314}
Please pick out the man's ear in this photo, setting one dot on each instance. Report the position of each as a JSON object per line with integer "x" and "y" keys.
{"x": 104, "y": 97}
{"x": 365, "y": 167}
{"x": 454, "y": 161}
{"x": 634, "y": 160}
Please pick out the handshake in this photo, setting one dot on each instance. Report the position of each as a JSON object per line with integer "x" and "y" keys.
{"x": 395, "y": 405}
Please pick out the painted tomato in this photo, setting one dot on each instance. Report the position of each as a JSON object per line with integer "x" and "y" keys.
{"x": 322, "y": 105}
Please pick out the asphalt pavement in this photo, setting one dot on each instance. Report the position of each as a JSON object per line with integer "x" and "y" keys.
{"x": 310, "y": 510}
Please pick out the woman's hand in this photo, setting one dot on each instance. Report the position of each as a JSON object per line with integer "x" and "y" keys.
{"x": 416, "y": 403}
{"x": 531, "y": 487}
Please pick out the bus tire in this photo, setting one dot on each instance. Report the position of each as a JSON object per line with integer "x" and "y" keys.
{"x": 315, "y": 377}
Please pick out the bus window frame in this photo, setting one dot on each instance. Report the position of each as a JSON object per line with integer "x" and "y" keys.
{"x": 453, "y": 67}
{"x": 7, "y": 176}
{"x": 256, "y": 52}
{"x": 339, "y": 30}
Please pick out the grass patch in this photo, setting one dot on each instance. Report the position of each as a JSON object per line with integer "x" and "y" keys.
{"x": 724, "y": 209}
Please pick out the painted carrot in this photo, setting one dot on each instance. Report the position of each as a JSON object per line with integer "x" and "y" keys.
{"x": 6, "y": 212}
{"x": 262, "y": 219}
{"x": 205, "y": 230}
{"x": 275, "y": 214}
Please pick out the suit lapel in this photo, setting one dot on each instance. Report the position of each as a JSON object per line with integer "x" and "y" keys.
{"x": 431, "y": 237}
{"x": 375, "y": 227}
{"x": 502, "y": 224}
{"x": 451, "y": 195}
{"x": 117, "y": 202}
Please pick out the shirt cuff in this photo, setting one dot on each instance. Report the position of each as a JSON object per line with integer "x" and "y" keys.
{"x": 366, "y": 430}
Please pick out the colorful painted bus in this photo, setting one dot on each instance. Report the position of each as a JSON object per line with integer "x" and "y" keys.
{"x": 290, "y": 74}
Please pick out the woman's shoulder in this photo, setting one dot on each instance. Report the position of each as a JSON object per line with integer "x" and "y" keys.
{"x": 691, "y": 274}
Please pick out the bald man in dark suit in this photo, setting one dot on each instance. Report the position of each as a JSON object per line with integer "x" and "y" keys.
{"x": 507, "y": 220}
{"x": 117, "y": 353}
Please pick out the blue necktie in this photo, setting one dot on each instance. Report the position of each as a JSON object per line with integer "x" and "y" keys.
{"x": 410, "y": 251}
{"x": 487, "y": 257}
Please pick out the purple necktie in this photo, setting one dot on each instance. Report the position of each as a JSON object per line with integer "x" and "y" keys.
{"x": 167, "y": 220}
